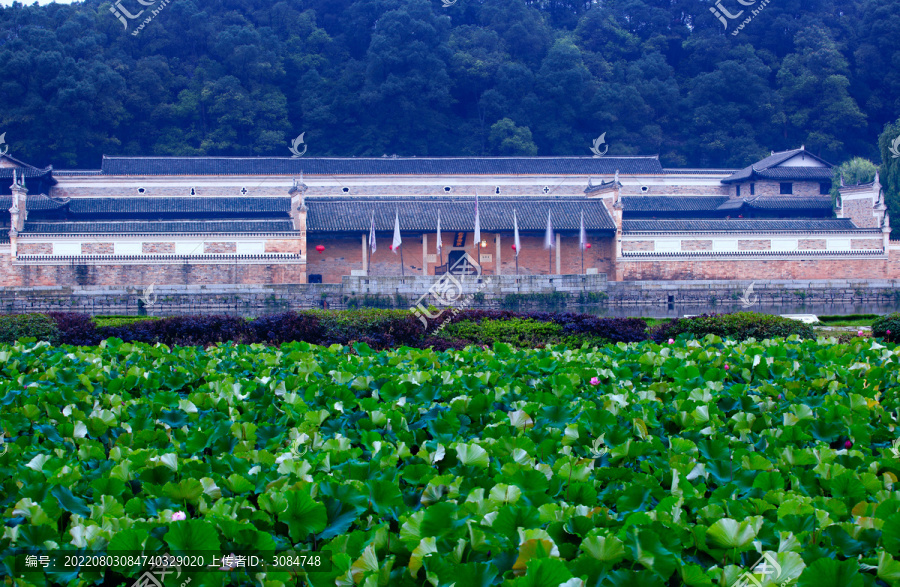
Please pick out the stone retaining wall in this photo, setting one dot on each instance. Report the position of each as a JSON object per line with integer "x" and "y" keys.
{"x": 532, "y": 291}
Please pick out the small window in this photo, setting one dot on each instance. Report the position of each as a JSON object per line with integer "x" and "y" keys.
{"x": 315, "y": 278}
{"x": 824, "y": 188}
{"x": 752, "y": 189}
{"x": 346, "y": 190}
{"x": 497, "y": 191}
{"x": 737, "y": 191}
{"x": 645, "y": 189}
{"x": 447, "y": 188}
{"x": 193, "y": 192}
{"x": 787, "y": 188}
{"x": 141, "y": 190}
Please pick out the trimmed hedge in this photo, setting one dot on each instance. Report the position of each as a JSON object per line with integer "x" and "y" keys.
{"x": 383, "y": 329}
{"x": 39, "y": 326}
{"x": 884, "y": 324}
{"x": 739, "y": 326}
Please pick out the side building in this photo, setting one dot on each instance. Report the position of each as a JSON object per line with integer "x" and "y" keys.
{"x": 222, "y": 220}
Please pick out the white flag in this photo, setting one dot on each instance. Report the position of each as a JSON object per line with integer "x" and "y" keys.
{"x": 582, "y": 236}
{"x": 372, "y": 234}
{"x": 477, "y": 222}
{"x": 439, "y": 233}
{"x": 548, "y": 236}
{"x": 397, "y": 241}
{"x": 516, "y": 234}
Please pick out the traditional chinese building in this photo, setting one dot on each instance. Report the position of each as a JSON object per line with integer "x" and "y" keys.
{"x": 222, "y": 220}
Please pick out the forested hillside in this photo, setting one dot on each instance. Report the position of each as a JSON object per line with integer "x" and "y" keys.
{"x": 412, "y": 77}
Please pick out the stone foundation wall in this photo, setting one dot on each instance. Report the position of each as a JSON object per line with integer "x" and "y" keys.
{"x": 256, "y": 300}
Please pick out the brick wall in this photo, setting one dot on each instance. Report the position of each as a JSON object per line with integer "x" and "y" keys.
{"x": 802, "y": 189}
{"x": 157, "y": 248}
{"x": 97, "y": 249}
{"x": 762, "y": 270}
{"x": 812, "y": 244}
{"x": 869, "y": 244}
{"x": 341, "y": 255}
{"x": 635, "y": 246}
{"x": 34, "y": 249}
{"x": 137, "y": 275}
{"x": 283, "y": 246}
{"x": 696, "y": 245}
{"x": 754, "y": 245}
{"x": 218, "y": 248}
{"x": 860, "y": 211}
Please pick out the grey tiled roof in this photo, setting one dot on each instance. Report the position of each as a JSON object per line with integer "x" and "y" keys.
{"x": 672, "y": 203}
{"x": 457, "y": 214}
{"x": 29, "y": 171}
{"x": 746, "y": 225}
{"x": 174, "y": 227}
{"x": 146, "y": 205}
{"x": 380, "y": 165}
{"x": 767, "y": 168}
{"x": 34, "y": 202}
{"x": 695, "y": 171}
{"x": 791, "y": 203}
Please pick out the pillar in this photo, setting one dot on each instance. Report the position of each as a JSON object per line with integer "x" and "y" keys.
{"x": 424, "y": 254}
{"x": 558, "y": 254}
{"x": 497, "y": 261}
{"x": 365, "y": 246}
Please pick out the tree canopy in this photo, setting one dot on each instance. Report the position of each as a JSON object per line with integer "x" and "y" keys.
{"x": 477, "y": 77}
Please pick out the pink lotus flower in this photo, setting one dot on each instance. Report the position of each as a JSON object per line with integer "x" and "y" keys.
{"x": 780, "y": 396}
{"x": 179, "y": 516}
{"x": 671, "y": 341}
{"x": 859, "y": 333}
{"x": 595, "y": 381}
{"x": 888, "y": 331}
{"x": 727, "y": 367}
{"x": 848, "y": 444}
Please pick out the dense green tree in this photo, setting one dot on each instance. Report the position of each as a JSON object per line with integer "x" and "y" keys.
{"x": 889, "y": 172}
{"x": 508, "y": 139}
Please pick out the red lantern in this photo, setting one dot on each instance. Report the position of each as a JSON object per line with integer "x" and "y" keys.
{"x": 587, "y": 245}
{"x": 513, "y": 247}
{"x": 320, "y": 248}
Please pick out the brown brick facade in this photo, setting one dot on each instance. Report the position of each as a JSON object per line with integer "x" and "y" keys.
{"x": 801, "y": 189}
{"x": 869, "y": 244}
{"x": 754, "y": 245}
{"x": 34, "y": 249}
{"x": 812, "y": 244}
{"x": 696, "y": 245}
{"x": 97, "y": 249}
{"x": 219, "y": 248}
{"x": 283, "y": 246}
{"x": 860, "y": 211}
{"x": 158, "y": 248}
{"x": 775, "y": 269}
{"x": 635, "y": 246}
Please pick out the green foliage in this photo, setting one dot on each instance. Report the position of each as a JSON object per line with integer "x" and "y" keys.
{"x": 889, "y": 172}
{"x": 889, "y": 323}
{"x": 16, "y": 326}
{"x": 516, "y": 332}
{"x": 514, "y": 301}
{"x": 102, "y": 321}
{"x": 410, "y": 77}
{"x": 480, "y": 467}
{"x": 592, "y": 297}
{"x": 738, "y": 326}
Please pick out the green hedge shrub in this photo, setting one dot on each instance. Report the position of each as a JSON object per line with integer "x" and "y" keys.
{"x": 738, "y": 326}
{"x": 16, "y": 326}
{"x": 884, "y": 324}
{"x": 517, "y": 332}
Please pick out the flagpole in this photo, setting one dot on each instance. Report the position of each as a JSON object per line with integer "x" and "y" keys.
{"x": 402, "y": 268}
{"x": 581, "y": 245}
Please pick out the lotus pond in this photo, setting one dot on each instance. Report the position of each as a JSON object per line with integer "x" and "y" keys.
{"x": 627, "y": 465}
